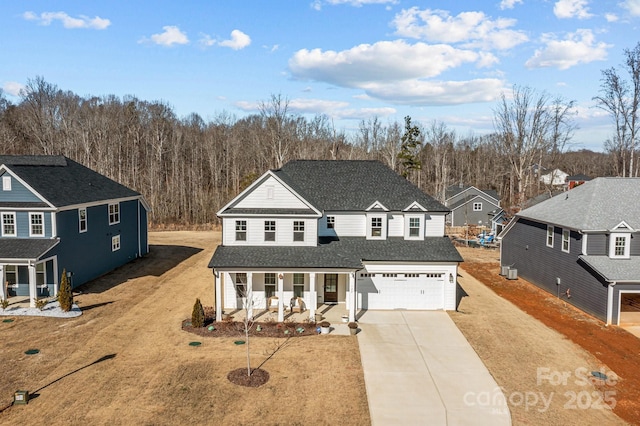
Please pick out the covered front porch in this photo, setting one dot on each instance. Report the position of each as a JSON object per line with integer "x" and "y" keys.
{"x": 27, "y": 280}
{"x": 280, "y": 294}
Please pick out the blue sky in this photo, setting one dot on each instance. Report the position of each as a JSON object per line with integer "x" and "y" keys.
{"x": 349, "y": 59}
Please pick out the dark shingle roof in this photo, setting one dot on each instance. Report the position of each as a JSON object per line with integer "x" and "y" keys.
{"x": 353, "y": 185}
{"x": 615, "y": 269}
{"x": 22, "y": 204}
{"x": 348, "y": 253}
{"x": 63, "y": 182}
{"x": 25, "y": 248}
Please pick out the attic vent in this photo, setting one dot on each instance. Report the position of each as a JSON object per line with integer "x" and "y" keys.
{"x": 6, "y": 183}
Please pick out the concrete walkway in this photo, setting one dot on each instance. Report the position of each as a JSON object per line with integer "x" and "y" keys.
{"x": 419, "y": 369}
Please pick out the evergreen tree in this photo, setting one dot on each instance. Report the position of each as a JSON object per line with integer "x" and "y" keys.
{"x": 197, "y": 315}
{"x": 65, "y": 295}
{"x": 410, "y": 149}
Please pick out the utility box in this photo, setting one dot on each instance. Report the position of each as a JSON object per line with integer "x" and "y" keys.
{"x": 21, "y": 398}
{"x": 504, "y": 270}
{"x": 512, "y": 274}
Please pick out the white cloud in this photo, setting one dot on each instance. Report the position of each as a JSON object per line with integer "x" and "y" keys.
{"x": 473, "y": 29}
{"x": 382, "y": 61}
{"x": 565, "y": 9}
{"x": 397, "y": 72}
{"x": 509, "y": 4}
{"x": 238, "y": 40}
{"x": 577, "y": 48}
{"x": 317, "y": 5}
{"x": 611, "y": 17}
{"x": 171, "y": 35}
{"x": 12, "y": 88}
{"x": 46, "y": 18}
{"x": 633, "y": 6}
{"x": 419, "y": 92}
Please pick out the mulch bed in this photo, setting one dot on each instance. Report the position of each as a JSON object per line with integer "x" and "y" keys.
{"x": 230, "y": 328}
{"x": 240, "y": 377}
{"x": 612, "y": 345}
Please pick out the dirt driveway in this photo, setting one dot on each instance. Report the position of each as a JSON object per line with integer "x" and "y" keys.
{"x": 127, "y": 361}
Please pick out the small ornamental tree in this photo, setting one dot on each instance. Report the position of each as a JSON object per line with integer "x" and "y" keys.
{"x": 197, "y": 315}
{"x": 65, "y": 295}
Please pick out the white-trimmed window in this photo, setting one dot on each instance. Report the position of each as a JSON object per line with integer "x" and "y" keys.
{"x": 114, "y": 213}
{"x": 477, "y": 207}
{"x": 298, "y": 285}
{"x": 115, "y": 243}
{"x": 414, "y": 227}
{"x": 619, "y": 245}
{"x": 331, "y": 222}
{"x": 298, "y": 230}
{"x": 82, "y": 219}
{"x": 8, "y": 224}
{"x": 269, "y": 230}
{"x": 376, "y": 226}
{"x": 40, "y": 275}
{"x": 36, "y": 224}
{"x": 549, "y": 236}
{"x": 565, "y": 240}
{"x": 241, "y": 230}
{"x": 6, "y": 183}
{"x": 269, "y": 284}
{"x": 241, "y": 284}
{"x": 11, "y": 275}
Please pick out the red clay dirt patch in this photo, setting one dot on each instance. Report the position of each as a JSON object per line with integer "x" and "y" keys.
{"x": 611, "y": 345}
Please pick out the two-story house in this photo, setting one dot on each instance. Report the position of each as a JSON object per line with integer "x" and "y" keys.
{"x": 583, "y": 246}
{"x": 347, "y": 232}
{"x": 471, "y": 206}
{"x": 58, "y": 215}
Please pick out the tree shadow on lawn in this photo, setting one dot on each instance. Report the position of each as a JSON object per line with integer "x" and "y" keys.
{"x": 159, "y": 260}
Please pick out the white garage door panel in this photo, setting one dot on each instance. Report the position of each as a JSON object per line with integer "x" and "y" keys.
{"x": 401, "y": 293}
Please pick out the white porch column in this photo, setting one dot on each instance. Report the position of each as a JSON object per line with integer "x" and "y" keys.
{"x": 33, "y": 288}
{"x": 351, "y": 297}
{"x": 280, "y": 291}
{"x": 55, "y": 276}
{"x": 249, "y": 296}
{"x": 3, "y": 289}
{"x": 313, "y": 302}
{"x": 217, "y": 295}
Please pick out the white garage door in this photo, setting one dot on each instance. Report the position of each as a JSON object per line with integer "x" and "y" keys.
{"x": 401, "y": 291}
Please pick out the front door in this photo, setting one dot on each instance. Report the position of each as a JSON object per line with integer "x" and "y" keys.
{"x": 331, "y": 288}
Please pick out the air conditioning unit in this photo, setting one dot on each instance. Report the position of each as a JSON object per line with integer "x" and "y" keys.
{"x": 504, "y": 270}
{"x": 512, "y": 274}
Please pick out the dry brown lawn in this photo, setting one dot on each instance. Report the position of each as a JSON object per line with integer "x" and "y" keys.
{"x": 515, "y": 345}
{"x": 125, "y": 360}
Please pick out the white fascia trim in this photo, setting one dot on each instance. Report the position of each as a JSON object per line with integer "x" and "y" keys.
{"x": 473, "y": 187}
{"x": 507, "y": 228}
{"x": 377, "y": 204}
{"x": 99, "y": 203}
{"x": 415, "y": 204}
{"x": 265, "y": 215}
{"x": 257, "y": 182}
{"x": 26, "y": 185}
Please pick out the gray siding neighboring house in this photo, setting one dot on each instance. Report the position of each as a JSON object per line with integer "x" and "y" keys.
{"x": 582, "y": 246}
{"x": 471, "y": 206}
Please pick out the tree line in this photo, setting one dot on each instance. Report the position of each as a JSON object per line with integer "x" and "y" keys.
{"x": 188, "y": 168}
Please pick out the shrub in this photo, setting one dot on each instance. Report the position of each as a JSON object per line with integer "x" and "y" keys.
{"x": 41, "y": 303}
{"x": 197, "y": 315}
{"x": 4, "y": 303}
{"x": 65, "y": 295}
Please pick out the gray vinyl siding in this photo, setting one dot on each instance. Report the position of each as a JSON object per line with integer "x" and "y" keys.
{"x": 615, "y": 316}
{"x": 524, "y": 248}
{"x": 597, "y": 245}
{"x": 635, "y": 245}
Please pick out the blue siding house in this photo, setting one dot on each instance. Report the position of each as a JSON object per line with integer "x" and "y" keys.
{"x": 583, "y": 246}
{"x": 58, "y": 215}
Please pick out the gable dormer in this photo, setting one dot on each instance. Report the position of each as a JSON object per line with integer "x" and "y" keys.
{"x": 620, "y": 241}
{"x": 377, "y": 206}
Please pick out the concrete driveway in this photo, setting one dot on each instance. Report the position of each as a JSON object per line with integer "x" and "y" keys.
{"x": 419, "y": 369}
